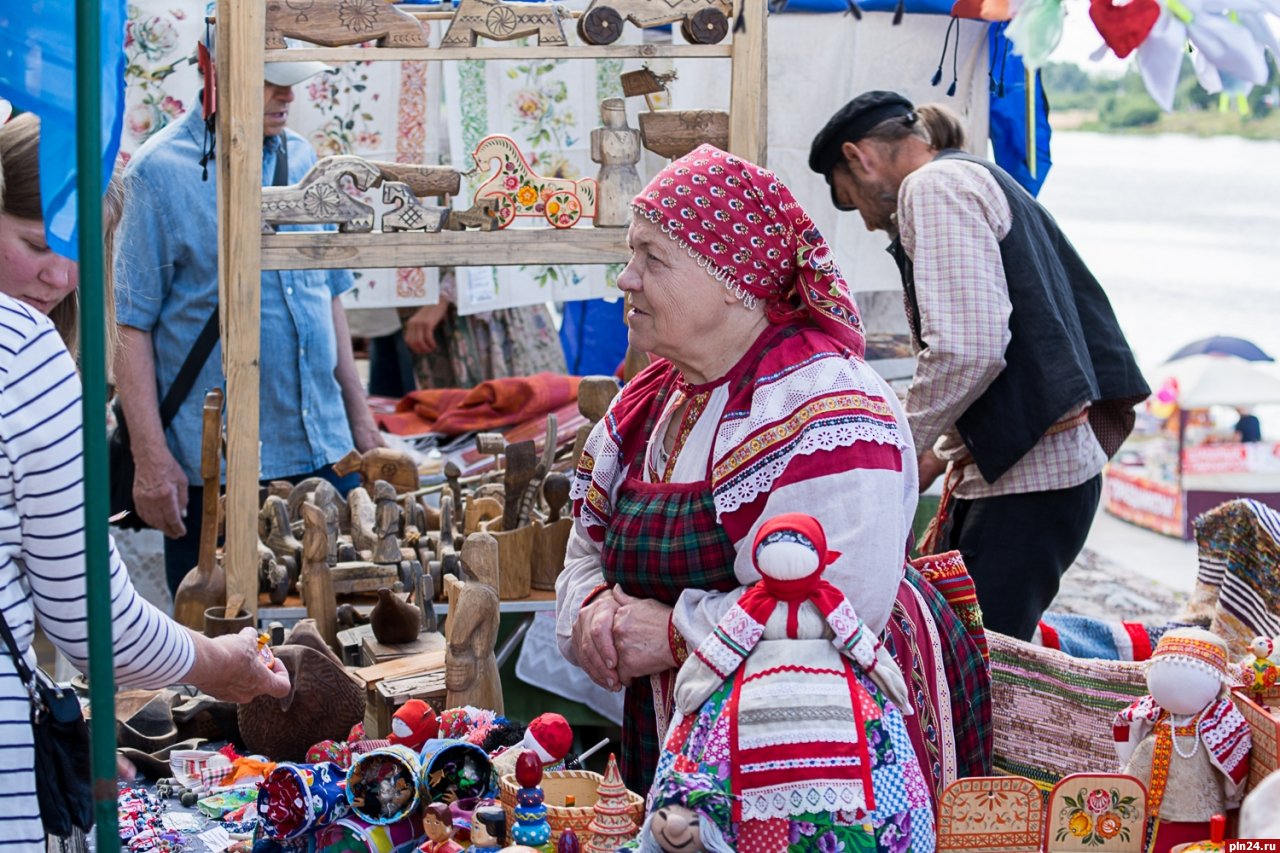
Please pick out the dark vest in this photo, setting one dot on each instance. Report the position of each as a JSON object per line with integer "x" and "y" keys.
{"x": 1065, "y": 346}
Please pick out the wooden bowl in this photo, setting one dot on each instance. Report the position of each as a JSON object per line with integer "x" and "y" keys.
{"x": 582, "y": 784}
{"x": 216, "y": 623}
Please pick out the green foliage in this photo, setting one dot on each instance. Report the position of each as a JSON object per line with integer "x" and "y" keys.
{"x": 1121, "y": 103}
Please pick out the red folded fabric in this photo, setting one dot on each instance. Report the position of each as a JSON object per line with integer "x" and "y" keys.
{"x": 489, "y": 405}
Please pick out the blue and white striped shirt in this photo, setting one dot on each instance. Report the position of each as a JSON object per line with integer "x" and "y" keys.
{"x": 42, "y": 555}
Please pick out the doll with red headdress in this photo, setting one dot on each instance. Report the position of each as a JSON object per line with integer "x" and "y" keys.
{"x": 793, "y": 704}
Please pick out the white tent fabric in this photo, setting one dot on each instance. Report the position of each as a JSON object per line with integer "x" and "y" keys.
{"x": 817, "y": 64}
{"x": 1218, "y": 380}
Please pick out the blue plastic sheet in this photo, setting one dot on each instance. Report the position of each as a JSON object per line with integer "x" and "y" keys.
{"x": 594, "y": 337}
{"x": 1009, "y": 115}
{"x": 38, "y": 75}
{"x": 921, "y": 7}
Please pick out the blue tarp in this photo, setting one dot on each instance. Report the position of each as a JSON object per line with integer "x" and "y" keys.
{"x": 1009, "y": 115}
{"x": 917, "y": 7}
{"x": 38, "y": 75}
{"x": 594, "y": 337}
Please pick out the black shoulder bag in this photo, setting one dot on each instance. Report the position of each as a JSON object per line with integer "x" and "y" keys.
{"x": 63, "y": 787}
{"x": 119, "y": 451}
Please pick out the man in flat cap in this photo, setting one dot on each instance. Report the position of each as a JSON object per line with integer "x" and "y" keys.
{"x": 1024, "y": 384}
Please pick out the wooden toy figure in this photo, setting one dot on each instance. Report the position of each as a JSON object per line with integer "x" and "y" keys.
{"x": 320, "y": 198}
{"x": 337, "y": 22}
{"x": 386, "y": 523}
{"x": 520, "y": 192}
{"x": 1186, "y": 741}
{"x": 1260, "y": 673}
{"x": 701, "y": 21}
{"x": 503, "y": 21}
{"x": 616, "y": 147}
{"x": 488, "y": 830}
{"x": 437, "y": 823}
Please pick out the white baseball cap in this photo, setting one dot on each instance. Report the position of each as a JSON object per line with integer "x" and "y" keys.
{"x": 293, "y": 73}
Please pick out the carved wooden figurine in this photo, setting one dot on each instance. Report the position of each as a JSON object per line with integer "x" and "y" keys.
{"x": 320, "y": 199}
{"x": 482, "y": 216}
{"x": 520, "y": 192}
{"x": 503, "y": 21}
{"x": 277, "y": 534}
{"x": 616, "y": 147}
{"x": 386, "y": 524}
{"x": 337, "y": 22}
{"x": 381, "y": 463}
{"x": 673, "y": 133}
{"x": 701, "y": 21}
{"x": 322, "y": 605}
{"x": 363, "y": 519}
{"x": 394, "y": 620}
{"x": 409, "y": 214}
{"x": 325, "y": 498}
{"x": 471, "y": 670}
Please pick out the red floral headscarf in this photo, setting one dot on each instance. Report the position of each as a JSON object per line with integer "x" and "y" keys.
{"x": 743, "y": 225}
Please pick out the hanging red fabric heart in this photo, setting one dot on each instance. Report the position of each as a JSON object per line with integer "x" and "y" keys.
{"x": 1125, "y": 27}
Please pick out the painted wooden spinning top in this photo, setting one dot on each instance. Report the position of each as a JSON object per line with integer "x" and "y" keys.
{"x": 531, "y": 829}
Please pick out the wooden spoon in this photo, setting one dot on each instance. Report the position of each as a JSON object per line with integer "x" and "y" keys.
{"x": 205, "y": 586}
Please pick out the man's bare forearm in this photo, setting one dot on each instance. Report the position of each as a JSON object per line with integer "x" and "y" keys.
{"x": 135, "y": 370}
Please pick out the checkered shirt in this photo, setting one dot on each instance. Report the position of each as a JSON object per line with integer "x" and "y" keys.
{"x": 952, "y": 216}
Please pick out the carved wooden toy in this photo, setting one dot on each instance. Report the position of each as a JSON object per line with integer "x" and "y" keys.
{"x": 394, "y": 620}
{"x": 422, "y": 180}
{"x": 381, "y": 463}
{"x": 386, "y": 524}
{"x": 363, "y": 519}
{"x": 409, "y": 214}
{"x": 322, "y": 605}
{"x": 616, "y": 147}
{"x": 482, "y": 216}
{"x": 276, "y": 534}
{"x": 701, "y": 21}
{"x": 520, "y": 192}
{"x": 471, "y": 670}
{"x": 503, "y": 21}
{"x": 319, "y": 199}
{"x": 673, "y": 133}
{"x": 337, "y": 22}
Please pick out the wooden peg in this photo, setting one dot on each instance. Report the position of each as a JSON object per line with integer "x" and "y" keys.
{"x": 452, "y": 474}
{"x": 555, "y": 489}
{"x": 322, "y": 604}
{"x": 491, "y": 444}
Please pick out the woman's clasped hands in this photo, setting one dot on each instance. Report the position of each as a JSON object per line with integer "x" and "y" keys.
{"x": 619, "y": 638}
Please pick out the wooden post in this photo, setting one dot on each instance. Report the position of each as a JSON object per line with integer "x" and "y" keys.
{"x": 239, "y": 157}
{"x": 749, "y": 95}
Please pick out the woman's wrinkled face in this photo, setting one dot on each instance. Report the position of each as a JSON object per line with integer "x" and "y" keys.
{"x": 674, "y": 302}
{"x": 30, "y": 271}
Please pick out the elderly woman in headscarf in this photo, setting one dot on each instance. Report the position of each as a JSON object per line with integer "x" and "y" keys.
{"x": 758, "y": 402}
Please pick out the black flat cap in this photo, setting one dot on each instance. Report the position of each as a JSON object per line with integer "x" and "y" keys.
{"x": 851, "y": 123}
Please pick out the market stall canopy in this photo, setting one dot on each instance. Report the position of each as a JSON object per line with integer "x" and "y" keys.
{"x": 1222, "y": 345}
{"x": 1218, "y": 380}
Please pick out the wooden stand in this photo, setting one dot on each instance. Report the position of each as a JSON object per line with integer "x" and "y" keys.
{"x": 244, "y": 251}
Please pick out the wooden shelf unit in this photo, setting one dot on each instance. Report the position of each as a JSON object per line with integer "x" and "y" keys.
{"x": 244, "y": 251}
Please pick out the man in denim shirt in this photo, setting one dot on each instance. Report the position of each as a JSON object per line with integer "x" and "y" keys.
{"x": 311, "y": 403}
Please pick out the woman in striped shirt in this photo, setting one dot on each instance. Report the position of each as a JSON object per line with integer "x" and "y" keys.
{"x": 42, "y": 513}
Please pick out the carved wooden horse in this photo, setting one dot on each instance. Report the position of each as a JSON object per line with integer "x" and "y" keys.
{"x": 409, "y": 214}
{"x": 503, "y": 21}
{"x": 520, "y": 192}
{"x": 320, "y": 199}
{"x": 337, "y": 22}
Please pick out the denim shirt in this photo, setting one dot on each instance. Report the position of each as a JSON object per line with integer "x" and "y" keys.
{"x": 166, "y": 280}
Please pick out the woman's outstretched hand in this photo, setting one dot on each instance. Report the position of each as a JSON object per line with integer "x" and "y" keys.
{"x": 228, "y": 668}
{"x": 640, "y": 635}
{"x": 594, "y": 642}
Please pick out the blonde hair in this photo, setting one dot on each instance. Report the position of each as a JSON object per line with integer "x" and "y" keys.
{"x": 20, "y": 198}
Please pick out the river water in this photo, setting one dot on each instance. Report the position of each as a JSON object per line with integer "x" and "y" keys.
{"x": 1183, "y": 233}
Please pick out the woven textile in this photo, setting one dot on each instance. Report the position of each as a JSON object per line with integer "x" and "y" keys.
{"x": 1086, "y": 637}
{"x": 947, "y": 574}
{"x": 1053, "y": 712}
{"x": 490, "y": 405}
{"x": 1237, "y": 594}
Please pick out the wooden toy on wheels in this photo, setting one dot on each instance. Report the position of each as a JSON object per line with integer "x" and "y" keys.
{"x": 504, "y": 21}
{"x": 701, "y": 21}
{"x": 519, "y": 192}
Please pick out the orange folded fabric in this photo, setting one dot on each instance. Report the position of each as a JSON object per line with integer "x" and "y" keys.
{"x": 489, "y": 405}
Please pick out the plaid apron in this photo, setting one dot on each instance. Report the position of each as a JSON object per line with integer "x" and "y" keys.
{"x": 663, "y": 539}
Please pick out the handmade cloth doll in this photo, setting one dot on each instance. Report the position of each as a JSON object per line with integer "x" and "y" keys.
{"x": 1186, "y": 741}
{"x": 792, "y": 706}
{"x": 414, "y": 724}
{"x": 689, "y": 814}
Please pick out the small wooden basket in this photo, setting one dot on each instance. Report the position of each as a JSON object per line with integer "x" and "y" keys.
{"x": 582, "y": 785}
